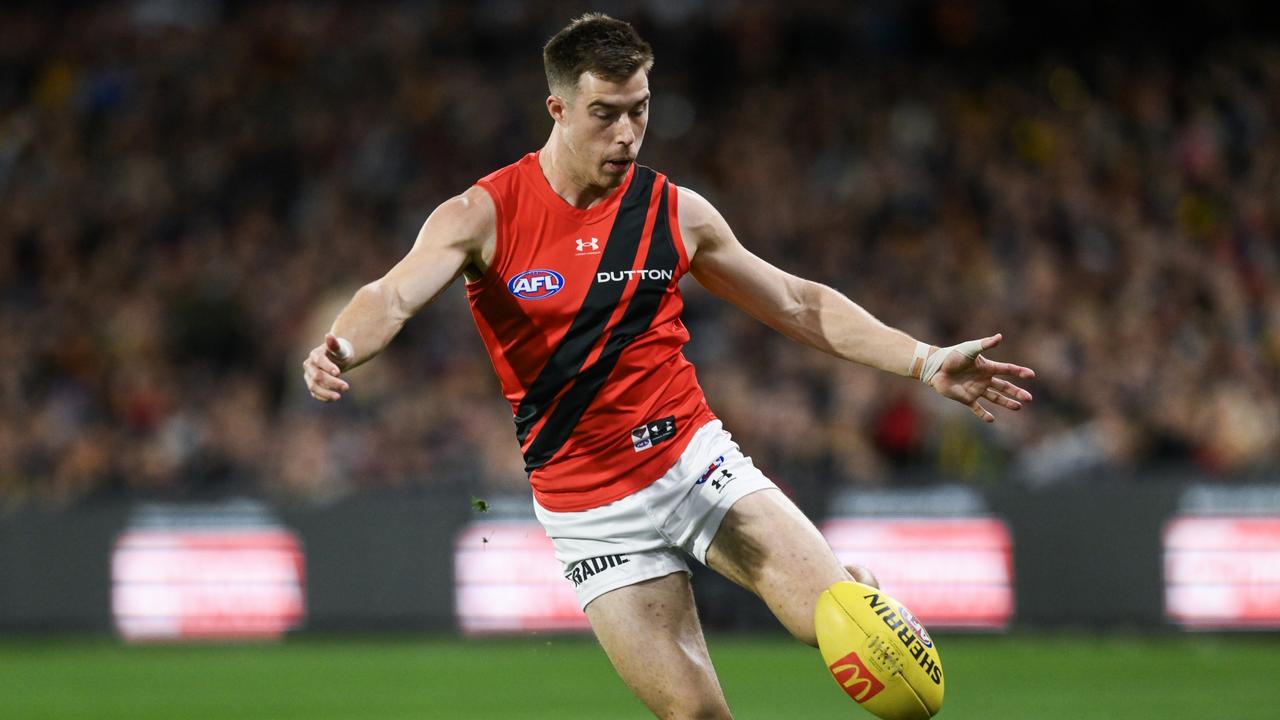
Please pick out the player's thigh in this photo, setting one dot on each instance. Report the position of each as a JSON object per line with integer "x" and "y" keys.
{"x": 650, "y": 632}
{"x": 766, "y": 545}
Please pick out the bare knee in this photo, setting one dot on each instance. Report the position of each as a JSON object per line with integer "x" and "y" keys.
{"x": 695, "y": 709}
{"x": 695, "y": 696}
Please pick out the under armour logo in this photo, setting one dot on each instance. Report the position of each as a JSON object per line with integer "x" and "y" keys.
{"x": 592, "y": 244}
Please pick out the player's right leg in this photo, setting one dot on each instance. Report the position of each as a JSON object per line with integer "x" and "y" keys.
{"x": 651, "y": 633}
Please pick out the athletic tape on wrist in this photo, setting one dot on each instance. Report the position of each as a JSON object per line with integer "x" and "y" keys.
{"x": 345, "y": 349}
{"x": 917, "y": 360}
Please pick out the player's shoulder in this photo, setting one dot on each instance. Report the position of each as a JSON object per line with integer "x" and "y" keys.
{"x": 470, "y": 213}
{"x": 696, "y": 212}
{"x": 692, "y": 202}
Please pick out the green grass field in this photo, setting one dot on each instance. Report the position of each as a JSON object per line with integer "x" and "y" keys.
{"x": 568, "y": 678}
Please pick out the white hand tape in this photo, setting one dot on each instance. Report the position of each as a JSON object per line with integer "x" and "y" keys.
{"x": 933, "y": 362}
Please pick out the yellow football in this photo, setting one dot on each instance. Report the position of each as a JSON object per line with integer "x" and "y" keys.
{"x": 878, "y": 652}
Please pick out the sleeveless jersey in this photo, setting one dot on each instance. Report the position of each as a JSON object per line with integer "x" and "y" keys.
{"x": 580, "y": 312}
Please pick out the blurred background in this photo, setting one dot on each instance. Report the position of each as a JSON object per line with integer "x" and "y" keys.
{"x": 189, "y": 192}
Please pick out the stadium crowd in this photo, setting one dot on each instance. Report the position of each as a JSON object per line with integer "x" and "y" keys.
{"x": 188, "y": 193}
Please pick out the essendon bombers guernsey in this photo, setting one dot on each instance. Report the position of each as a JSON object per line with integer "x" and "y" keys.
{"x": 580, "y": 312}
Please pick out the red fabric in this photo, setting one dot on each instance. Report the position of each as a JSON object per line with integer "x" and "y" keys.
{"x": 538, "y": 230}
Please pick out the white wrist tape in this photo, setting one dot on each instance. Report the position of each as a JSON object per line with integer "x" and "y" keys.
{"x": 927, "y": 359}
{"x": 917, "y": 359}
{"x": 345, "y": 350}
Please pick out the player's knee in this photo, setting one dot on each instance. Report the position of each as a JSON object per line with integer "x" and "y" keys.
{"x": 703, "y": 713}
{"x": 696, "y": 709}
{"x": 690, "y": 696}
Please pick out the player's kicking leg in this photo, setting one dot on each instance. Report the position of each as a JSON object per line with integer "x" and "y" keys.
{"x": 766, "y": 545}
{"x": 650, "y": 630}
{"x": 651, "y": 633}
{"x": 626, "y": 564}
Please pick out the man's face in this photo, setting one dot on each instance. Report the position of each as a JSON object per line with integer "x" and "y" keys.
{"x": 603, "y": 126}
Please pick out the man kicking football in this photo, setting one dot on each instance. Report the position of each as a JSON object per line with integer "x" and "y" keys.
{"x": 572, "y": 258}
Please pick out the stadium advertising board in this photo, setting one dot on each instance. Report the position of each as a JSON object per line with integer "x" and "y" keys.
{"x": 1222, "y": 559}
{"x": 1223, "y": 572}
{"x": 952, "y": 572}
{"x": 206, "y": 572}
{"x": 507, "y": 579}
{"x": 935, "y": 550}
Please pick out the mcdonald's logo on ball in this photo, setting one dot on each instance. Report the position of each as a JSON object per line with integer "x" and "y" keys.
{"x": 855, "y": 678}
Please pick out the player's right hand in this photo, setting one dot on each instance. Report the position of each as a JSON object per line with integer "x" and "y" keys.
{"x": 323, "y": 367}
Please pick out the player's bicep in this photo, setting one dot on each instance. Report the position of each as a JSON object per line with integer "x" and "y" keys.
{"x": 449, "y": 241}
{"x": 721, "y": 264}
{"x": 735, "y": 274}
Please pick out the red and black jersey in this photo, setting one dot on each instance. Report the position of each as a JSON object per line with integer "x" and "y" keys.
{"x": 580, "y": 311}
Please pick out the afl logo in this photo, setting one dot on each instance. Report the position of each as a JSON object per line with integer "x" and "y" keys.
{"x": 536, "y": 284}
{"x": 920, "y": 632}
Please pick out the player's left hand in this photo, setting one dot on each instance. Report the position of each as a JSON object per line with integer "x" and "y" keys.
{"x": 968, "y": 377}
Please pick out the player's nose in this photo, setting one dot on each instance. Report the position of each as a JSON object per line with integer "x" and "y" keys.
{"x": 626, "y": 132}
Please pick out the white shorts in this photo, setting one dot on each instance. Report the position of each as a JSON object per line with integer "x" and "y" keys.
{"x": 642, "y": 536}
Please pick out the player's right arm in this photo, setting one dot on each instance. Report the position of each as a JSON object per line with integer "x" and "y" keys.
{"x": 458, "y": 237}
{"x": 821, "y": 317}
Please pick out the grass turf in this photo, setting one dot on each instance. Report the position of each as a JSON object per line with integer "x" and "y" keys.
{"x": 567, "y": 678}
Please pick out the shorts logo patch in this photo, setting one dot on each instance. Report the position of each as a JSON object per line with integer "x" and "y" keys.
{"x": 710, "y": 469}
{"x": 582, "y": 570}
{"x": 653, "y": 433}
{"x": 536, "y": 284}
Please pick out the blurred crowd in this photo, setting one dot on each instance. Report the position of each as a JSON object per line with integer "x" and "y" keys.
{"x": 190, "y": 191}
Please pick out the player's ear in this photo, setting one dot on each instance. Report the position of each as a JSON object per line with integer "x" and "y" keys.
{"x": 557, "y": 107}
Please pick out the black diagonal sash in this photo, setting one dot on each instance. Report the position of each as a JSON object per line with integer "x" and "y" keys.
{"x": 638, "y": 317}
{"x": 602, "y": 298}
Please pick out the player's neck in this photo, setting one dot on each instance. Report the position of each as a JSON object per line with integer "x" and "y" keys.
{"x": 564, "y": 181}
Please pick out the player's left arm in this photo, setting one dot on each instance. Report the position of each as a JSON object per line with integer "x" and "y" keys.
{"x": 823, "y": 318}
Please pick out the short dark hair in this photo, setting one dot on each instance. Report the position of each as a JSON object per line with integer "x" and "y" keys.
{"x": 607, "y": 48}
